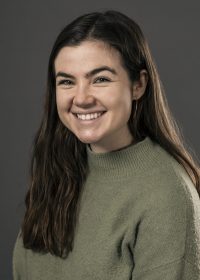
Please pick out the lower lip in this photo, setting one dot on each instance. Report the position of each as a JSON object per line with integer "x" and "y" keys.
{"x": 88, "y": 121}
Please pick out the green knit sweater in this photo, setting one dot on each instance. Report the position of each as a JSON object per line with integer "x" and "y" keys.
{"x": 139, "y": 219}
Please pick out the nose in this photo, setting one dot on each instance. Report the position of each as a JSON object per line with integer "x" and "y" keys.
{"x": 83, "y": 96}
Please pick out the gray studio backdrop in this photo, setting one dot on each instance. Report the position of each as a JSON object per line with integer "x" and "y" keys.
{"x": 28, "y": 30}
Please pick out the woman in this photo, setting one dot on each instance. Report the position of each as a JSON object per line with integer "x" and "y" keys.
{"x": 113, "y": 194}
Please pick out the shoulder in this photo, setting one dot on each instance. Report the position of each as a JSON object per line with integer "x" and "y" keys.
{"x": 175, "y": 193}
{"x": 168, "y": 208}
{"x": 168, "y": 182}
{"x": 172, "y": 190}
{"x": 18, "y": 257}
{"x": 169, "y": 169}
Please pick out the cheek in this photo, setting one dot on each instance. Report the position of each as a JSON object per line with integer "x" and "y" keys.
{"x": 62, "y": 102}
{"x": 62, "y": 108}
{"x": 59, "y": 106}
{"x": 123, "y": 104}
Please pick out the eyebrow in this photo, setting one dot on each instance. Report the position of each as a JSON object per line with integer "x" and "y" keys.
{"x": 90, "y": 73}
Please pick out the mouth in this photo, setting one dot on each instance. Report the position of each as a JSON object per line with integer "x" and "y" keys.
{"x": 90, "y": 120}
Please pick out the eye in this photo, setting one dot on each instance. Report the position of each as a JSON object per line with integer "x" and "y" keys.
{"x": 65, "y": 82}
{"x": 102, "y": 79}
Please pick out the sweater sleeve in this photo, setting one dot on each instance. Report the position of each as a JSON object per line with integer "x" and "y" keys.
{"x": 18, "y": 259}
{"x": 167, "y": 244}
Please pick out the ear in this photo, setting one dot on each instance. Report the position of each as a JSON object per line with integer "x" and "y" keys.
{"x": 139, "y": 86}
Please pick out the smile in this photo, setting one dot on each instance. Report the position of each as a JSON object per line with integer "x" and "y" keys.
{"x": 88, "y": 118}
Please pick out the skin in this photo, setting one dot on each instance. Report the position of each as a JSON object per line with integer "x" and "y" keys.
{"x": 103, "y": 91}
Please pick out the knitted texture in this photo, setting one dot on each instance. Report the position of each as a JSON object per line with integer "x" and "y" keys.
{"x": 139, "y": 219}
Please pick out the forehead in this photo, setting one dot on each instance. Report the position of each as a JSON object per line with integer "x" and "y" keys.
{"x": 87, "y": 55}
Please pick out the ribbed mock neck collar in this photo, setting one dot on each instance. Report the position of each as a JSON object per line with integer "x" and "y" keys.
{"x": 116, "y": 164}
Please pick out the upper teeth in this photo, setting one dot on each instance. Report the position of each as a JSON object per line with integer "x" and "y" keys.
{"x": 89, "y": 116}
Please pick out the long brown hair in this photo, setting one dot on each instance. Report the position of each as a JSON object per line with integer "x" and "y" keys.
{"x": 59, "y": 167}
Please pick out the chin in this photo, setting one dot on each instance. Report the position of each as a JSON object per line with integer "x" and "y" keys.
{"x": 88, "y": 141}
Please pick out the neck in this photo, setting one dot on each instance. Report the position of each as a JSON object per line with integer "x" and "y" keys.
{"x": 122, "y": 162}
{"x": 111, "y": 148}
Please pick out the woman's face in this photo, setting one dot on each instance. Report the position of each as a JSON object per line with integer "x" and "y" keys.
{"x": 91, "y": 79}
